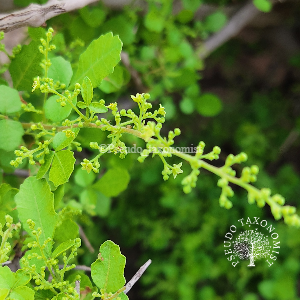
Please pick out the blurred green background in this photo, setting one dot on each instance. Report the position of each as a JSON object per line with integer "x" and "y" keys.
{"x": 245, "y": 96}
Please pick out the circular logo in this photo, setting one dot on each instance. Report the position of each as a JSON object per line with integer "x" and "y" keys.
{"x": 251, "y": 240}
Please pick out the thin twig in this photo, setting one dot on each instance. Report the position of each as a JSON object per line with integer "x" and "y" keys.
{"x": 78, "y": 267}
{"x": 20, "y": 173}
{"x": 134, "y": 74}
{"x": 77, "y": 287}
{"x": 289, "y": 141}
{"x": 233, "y": 27}
{"x": 86, "y": 240}
{"x": 137, "y": 276}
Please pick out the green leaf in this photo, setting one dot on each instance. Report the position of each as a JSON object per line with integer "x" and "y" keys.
{"x": 113, "y": 82}
{"x": 169, "y": 106}
{"x": 85, "y": 281}
{"x": 26, "y": 66}
{"x": 60, "y": 70}
{"x": 121, "y": 26}
{"x": 62, "y": 167}
{"x": 36, "y": 202}
{"x": 61, "y": 141}
{"x": 103, "y": 205}
{"x": 93, "y": 17}
{"x": 108, "y": 270}
{"x": 22, "y": 293}
{"x": 55, "y": 112}
{"x": 36, "y": 33}
{"x": 123, "y": 296}
{"x": 266, "y": 289}
{"x": 87, "y": 135}
{"x": 21, "y": 278}
{"x": 83, "y": 178}
{"x": 209, "y": 105}
{"x": 5, "y": 158}
{"x": 78, "y": 29}
{"x": 58, "y": 195}
{"x": 10, "y": 100}
{"x": 215, "y": 21}
{"x": 192, "y": 5}
{"x": 113, "y": 182}
{"x": 88, "y": 198}
{"x": 63, "y": 248}
{"x": 185, "y": 16}
{"x": 7, "y": 278}
{"x": 68, "y": 230}
{"x": 87, "y": 90}
{"x": 4, "y": 293}
{"x": 263, "y": 5}
{"x": 81, "y": 105}
{"x": 13, "y": 284}
{"x": 154, "y": 20}
{"x": 34, "y": 261}
{"x": 99, "y": 59}
{"x": 186, "y": 106}
{"x": 7, "y": 202}
{"x": 11, "y": 133}
{"x": 98, "y": 108}
{"x": 45, "y": 167}
{"x": 43, "y": 295}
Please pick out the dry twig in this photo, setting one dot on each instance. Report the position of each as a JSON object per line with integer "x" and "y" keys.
{"x": 36, "y": 15}
{"x": 85, "y": 240}
{"x": 137, "y": 276}
{"x": 243, "y": 17}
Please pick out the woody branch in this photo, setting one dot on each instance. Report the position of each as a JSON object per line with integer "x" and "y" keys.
{"x": 36, "y": 15}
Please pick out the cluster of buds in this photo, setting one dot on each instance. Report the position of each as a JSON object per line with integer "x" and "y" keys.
{"x": 190, "y": 181}
{"x": 30, "y": 108}
{"x": 89, "y": 166}
{"x": 5, "y": 247}
{"x": 174, "y": 170}
{"x": 226, "y": 192}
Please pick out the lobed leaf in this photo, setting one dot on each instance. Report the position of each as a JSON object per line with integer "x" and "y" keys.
{"x": 108, "y": 270}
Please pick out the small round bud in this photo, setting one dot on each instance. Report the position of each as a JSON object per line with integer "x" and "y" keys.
{"x": 177, "y": 131}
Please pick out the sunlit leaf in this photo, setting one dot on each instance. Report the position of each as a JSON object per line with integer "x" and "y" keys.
{"x": 108, "y": 270}
{"x": 62, "y": 167}
{"x": 99, "y": 59}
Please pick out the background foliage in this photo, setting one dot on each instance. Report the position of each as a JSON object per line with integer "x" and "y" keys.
{"x": 243, "y": 97}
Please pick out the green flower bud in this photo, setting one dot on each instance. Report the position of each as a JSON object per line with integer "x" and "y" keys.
{"x": 228, "y": 204}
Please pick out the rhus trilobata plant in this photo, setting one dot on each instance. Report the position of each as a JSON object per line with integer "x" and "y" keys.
{"x": 65, "y": 104}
